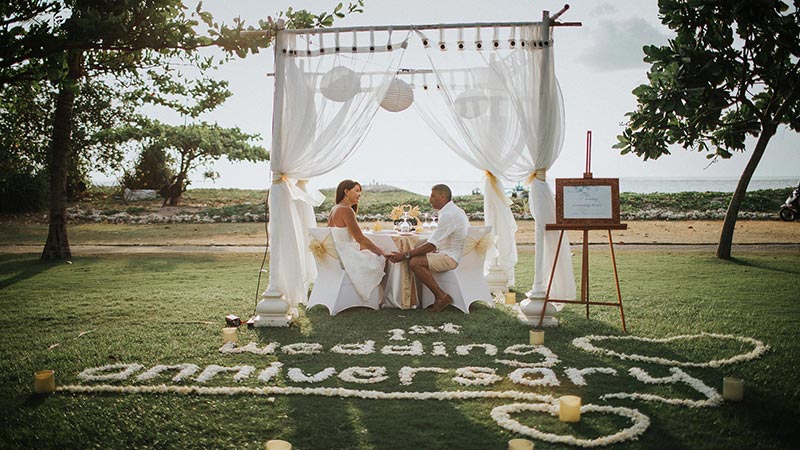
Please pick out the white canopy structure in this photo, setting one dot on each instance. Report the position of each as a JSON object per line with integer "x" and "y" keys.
{"x": 490, "y": 94}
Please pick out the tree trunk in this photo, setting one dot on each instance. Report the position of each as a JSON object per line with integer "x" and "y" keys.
{"x": 726, "y": 237}
{"x": 57, "y": 245}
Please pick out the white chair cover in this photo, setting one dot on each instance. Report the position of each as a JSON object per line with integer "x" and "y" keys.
{"x": 466, "y": 283}
{"x": 332, "y": 288}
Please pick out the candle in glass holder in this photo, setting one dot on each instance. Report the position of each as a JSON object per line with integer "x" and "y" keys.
{"x": 537, "y": 337}
{"x": 732, "y": 389}
{"x": 511, "y": 298}
{"x": 520, "y": 444}
{"x": 44, "y": 382}
{"x": 278, "y": 444}
{"x": 229, "y": 334}
{"x": 569, "y": 408}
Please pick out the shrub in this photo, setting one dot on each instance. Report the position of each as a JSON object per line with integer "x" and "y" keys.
{"x": 23, "y": 192}
{"x": 152, "y": 171}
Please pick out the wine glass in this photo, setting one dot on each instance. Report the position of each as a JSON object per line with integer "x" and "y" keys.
{"x": 405, "y": 225}
{"x": 426, "y": 225}
{"x": 434, "y": 224}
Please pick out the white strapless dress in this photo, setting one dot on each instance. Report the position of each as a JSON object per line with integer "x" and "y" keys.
{"x": 365, "y": 269}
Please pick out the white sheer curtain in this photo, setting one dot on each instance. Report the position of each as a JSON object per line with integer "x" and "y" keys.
{"x": 529, "y": 77}
{"x": 325, "y": 102}
{"x": 466, "y": 106}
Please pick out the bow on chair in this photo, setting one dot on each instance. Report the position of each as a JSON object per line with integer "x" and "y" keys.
{"x": 323, "y": 247}
{"x": 480, "y": 245}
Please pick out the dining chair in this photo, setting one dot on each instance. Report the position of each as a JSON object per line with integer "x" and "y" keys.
{"x": 466, "y": 283}
{"x": 333, "y": 288}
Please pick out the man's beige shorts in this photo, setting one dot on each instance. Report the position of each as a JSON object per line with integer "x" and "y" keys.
{"x": 439, "y": 262}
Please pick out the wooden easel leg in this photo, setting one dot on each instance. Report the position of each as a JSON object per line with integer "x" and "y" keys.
{"x": 585, "y": 271}
{"x": 550, "y": 282}
{"x": 616, "y": 280}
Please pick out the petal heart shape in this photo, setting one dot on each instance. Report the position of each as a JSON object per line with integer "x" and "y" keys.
{"x": 502, "y": 415}
{"x": 759, "y": 348}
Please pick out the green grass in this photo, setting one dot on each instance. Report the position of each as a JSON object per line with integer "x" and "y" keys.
{"x": 168, "y": 309}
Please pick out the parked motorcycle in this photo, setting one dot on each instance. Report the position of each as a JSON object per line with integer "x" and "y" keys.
{"x": 791, "y": 207}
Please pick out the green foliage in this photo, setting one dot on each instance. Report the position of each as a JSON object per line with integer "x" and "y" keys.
{"x": 151, "y": 171}
{"x": 23, "y": 192}
{"x": 730, "y": 72}
{"x": 65, "y": 41}
{"x": 470, "y": 203}
{"x": 26, "y": 128}
{"x": 298, "y": 19}
{"x": 235, "y": 210}
{"x": 222, "y": 197}
{"x": 192, "y": 145}
{"x": 766, "y": 200}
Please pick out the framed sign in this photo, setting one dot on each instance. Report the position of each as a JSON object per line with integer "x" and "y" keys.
{"x": 587, "y": 201}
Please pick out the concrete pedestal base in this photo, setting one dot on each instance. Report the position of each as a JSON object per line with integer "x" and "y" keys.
{"x": 530, "y": 310}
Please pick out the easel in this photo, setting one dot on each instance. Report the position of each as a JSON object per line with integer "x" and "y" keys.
{"x": 585, "y": 225}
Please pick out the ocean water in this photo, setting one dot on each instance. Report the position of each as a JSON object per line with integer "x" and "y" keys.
{"x": 638, "y": 185}
{"x": 650, "y": 185}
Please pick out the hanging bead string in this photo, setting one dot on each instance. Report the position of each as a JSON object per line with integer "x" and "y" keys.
{"x": 460, "y": 42}
{"x": 354, "y": 48}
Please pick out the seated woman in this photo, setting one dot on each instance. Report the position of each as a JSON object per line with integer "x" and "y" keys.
{"x": 363, "y": 261}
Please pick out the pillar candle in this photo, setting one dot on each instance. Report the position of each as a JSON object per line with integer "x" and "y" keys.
{"x": 732, "y": 389}
{"x": 511, "y": 298}
{"x": 537, "y": 337}
{"x": 44, "y": 382}
{"x": 520, "y": 444}
{"x": 229, "y": 334}
{"x": 277, "y": 444}
{"x": 569, "y": 408}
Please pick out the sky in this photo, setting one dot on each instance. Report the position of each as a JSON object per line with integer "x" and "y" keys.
{"x": 597, "y": 65}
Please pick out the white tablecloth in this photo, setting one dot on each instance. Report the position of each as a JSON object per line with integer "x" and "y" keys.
{"x": 401, "y": 288}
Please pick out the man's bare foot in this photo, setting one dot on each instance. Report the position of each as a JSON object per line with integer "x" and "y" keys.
{"x": 442, "y": 303}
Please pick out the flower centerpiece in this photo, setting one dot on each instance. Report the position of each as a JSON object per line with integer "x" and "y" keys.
{"x": 406, "y": 215}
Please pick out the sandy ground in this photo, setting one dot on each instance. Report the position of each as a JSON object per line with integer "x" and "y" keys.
{"x": 675, "y": 234}
{"x": 684, "y": 232}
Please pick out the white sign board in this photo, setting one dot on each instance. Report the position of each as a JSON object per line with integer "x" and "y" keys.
{"x": 588, "y": 202}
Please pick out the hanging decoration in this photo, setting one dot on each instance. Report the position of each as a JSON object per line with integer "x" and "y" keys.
{"x": 340, "y": 84}
{"x": 398, "y": 97}
{"x": 471, "y": 103}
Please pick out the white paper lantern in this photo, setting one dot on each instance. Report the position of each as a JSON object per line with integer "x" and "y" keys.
{"x": 471, "y": 103}
{"x": 340, "y": 84}
{"x": 398, "y": 97}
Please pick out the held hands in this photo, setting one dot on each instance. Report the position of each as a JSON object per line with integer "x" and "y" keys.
{"x": 396, "y": 257}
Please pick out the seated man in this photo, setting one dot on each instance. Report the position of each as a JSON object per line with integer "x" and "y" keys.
{"x": 442, "y": 251}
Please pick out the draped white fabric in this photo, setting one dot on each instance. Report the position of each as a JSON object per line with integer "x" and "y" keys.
{"x": 324, "y": 106}
{"x": 470, "y": 111}
{"x": 529, "y": 77}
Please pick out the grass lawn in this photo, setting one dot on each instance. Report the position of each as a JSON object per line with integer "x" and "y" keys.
{"x": 169, "y": 309}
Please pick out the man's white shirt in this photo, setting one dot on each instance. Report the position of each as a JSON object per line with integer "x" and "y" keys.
{"x": 451, "y": 232}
